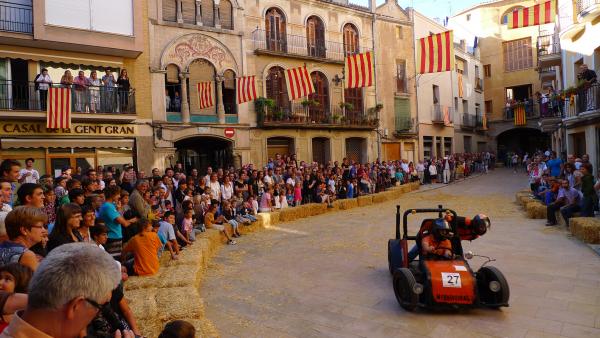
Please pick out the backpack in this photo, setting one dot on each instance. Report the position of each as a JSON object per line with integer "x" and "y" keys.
{"x": 36, "y": 84}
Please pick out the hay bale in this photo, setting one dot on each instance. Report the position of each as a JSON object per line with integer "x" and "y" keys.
{"x": 586, "y": 229}
{"x": 180, "y": 276}
{"x": 526, "y": 199}
{"x": 180, "y": 302}
{"x": 365, "y": 200}
{"x": 150, "y": 328}
{"x": 317, "y": 209}
{"x": 143, "y": 302}
{"x": 536, "y": 210}
{"x": 348, "y": 203}
{"x": 289, "y": 214}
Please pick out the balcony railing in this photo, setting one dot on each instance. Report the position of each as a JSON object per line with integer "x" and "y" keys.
{"x": 15, "y": 17}
{"x": 478, "y": 84}
{"x": 532, "y": 109}
{"x": 404, "y": 124}
{"x": 479, "y": 121}
{"x": 588, "y": 99}
{"x": 586, "y": 6}
{"x": 468, "y": 121}
{"x": 299, "y": 45}
{"x": 441, "y": 114}
{"x": 89, "y": 99}
{"x": 548, "y": 45}
{"x": 297, "y": 115}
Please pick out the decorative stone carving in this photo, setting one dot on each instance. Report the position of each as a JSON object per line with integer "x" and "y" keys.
{"x": 190, "y": 47}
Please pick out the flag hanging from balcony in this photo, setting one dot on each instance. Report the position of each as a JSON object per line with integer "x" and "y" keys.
{"x": 435, "y": 53}
{"x": 532, "y": 16}
{"x": 205, "y": 94}
{"x": 298, "y": 82}
{"x": 246, "y": 88}
{"x": 519, "y": 111}
{"x": 446, "y": 116}
{"x": 484, "y": 121}
{"x": 359, "y": 70}
{"x": 460, "y": 85}
{"x": 58, "y": 108}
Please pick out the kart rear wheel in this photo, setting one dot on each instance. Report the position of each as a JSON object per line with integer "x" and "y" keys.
{"x": 394, "y": 255}
{"x": 485, "y": 277}
{"x": 404, "y": 282}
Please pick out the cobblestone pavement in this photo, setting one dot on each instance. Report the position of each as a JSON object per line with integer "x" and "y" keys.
{"x": 327, "y": 276}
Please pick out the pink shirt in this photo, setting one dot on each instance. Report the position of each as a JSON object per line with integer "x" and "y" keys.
{"x": 264, "y": 201}
{"x": 187, "y": 224}
{"x": 297, "y": 194}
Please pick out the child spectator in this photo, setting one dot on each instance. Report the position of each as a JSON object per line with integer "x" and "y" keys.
{"x": 229, "y": 216}
{"x": 298, "y": 194}
{"x": 144, "y": 246}
{"x": 14, "y": 278}
{"x": 187, "y": 225}
{"x": 215, "y": 223}
{"x": 99, "y": 234}
{"x": 266, "y": 200}
{"x": 178, "y": 329}
{"x": 167, "y": 230}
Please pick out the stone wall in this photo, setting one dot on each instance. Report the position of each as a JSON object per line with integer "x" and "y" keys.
{"x": 173, "y": 293}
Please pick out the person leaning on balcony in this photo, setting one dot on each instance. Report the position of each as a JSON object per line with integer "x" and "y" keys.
{"x": 67, "y": 79}
{"x": 587, "y": 76}
{"x": 124, "y": 86}
{"x": 81, "y": 84}
{"x": 108, "y": 96}
{"x": 42, "y": 83}
{"x": 95, "y": 84}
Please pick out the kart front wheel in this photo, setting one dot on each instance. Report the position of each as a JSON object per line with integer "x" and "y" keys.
{"x": 404, "y": 282}
{"x": 493, "y": 287}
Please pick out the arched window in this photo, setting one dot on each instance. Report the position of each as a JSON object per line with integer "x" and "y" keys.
{"x": 201, "y": 71}
{"x": 315, "y": 36}
{"x": 277, "y": 90}
{"x": 208, "y": 13}
{"x": 172, "y": 89}
{"x": 504, "y": 17}
{"x": 351, "y": 45}
{"x": 228, "y": 89}
{"x": 320, "y": 112}
{"x": 354, "y": 96}
{"x": 275, "y": 30}
{"x": 226, "y": 14}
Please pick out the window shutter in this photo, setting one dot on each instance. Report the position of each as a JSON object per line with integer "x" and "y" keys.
{"x": 188, "y": 11}
{"x": 208, "y": 13}
{"x": 226, "y": 12}
{"x": 172, "y": 74}
{"x": 169, "y": 10}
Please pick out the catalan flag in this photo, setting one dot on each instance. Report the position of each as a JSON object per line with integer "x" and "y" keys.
{"x": 299, "y": 84}
{"x": 519, "y": 111}
{"x": 359, "y": 70}
{"x": 205, "y": 94}
{"x": 246, "y": 88}
{"x": 460, "y": 86}
{"x": 532, "y": 16}
{"x": 58, "y": 111}
{"x": 435, "y": 53}
{"x": 484, "y": 122}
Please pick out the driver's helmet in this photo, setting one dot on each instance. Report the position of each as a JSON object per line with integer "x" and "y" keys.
{"x": 480, "y": 223}
{"x": 442, "y": 230}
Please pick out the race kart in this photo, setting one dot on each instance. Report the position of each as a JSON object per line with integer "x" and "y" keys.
{"x": 440, "y": 282}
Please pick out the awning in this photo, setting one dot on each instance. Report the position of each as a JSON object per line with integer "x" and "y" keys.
{"x": 12, "y": 143}
{"x": 34, "y": 54}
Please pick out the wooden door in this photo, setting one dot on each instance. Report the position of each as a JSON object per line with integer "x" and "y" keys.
{"x": 350, "y": 39}
{"x": 391, "y": 151}
{"x": 275, "y": 30}
{"x": 277, "y": 90}
{"x": 315, "y": 35}
{"x": 319, "y": 112}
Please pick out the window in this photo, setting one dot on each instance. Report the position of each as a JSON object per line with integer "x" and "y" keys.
{"x": 398, "y": 32}
{"x": 456, "y": 104}
{"x": 461, "y": 66}
{"x": 477, "y": 109}
{"x": 276, "y": 88}
{"x": 226, "y": 14}
{"x": 477, "y": 71}
{"x": 321, "y": 95}
{"x": 436, "y": 94}
{"x": 401, "y": 76}
{"x": 468, "y": 17}
{"x": 402, "y": 113}
{"x": 208, "y": 12}
{"x": 488, "y": 107}
{"x": 79, "y": 14}
{"x": 351, "y": 43}
{"x": 487, "y": 70}
{"x": 465, "y": 106}
{"x": 275, "y": 30}
{"x": 517, "y": 54}
{"x": 315, "y": 36}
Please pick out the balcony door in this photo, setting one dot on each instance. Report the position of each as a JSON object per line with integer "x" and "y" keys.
{"x": 320, "y": 111}
{"x": 277, "y": 90}
{"x": 315, "y": 36}
{"x": 351, "y": 45}
{"x": 354, "y": 96}
{"x": 275, "y": 30}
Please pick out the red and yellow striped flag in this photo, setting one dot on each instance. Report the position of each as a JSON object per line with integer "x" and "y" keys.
{"x": 532, "y": 16}
{"x": 484, "y": 122}
{"x": 359, "y": 70}
{"x": 435, "y": 53}
{"x": 520, "y": 119}
{"x": 246, "y": 88}
{"x": 58, "y": 111}
{"x": 299, "y": 84}
{"x": 460, "y": 86}
{"x": 205, "y": 94}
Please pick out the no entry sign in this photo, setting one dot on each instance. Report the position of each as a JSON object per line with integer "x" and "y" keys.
{"x": 229, "y": 132}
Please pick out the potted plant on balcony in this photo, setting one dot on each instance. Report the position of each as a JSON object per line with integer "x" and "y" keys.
{"x": 262, "y": 105}
{"x": 346, "y": 106}
{"x": 336, "y": 118}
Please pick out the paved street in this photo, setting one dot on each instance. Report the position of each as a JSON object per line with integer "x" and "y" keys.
{"x": 327, "y": 276}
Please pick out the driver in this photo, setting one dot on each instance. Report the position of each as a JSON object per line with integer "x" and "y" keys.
{"x": 438, "y": 241}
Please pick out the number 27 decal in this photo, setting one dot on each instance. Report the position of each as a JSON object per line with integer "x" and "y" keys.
{"x": 451, "y": 280}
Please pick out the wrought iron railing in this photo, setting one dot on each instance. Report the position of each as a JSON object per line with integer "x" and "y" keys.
{"x": 531, "y": 108}
{"x": 548, "y": 45}
{"x": 404, "y": 124}
{"x": 299, "y": 45}
{"x": 588, "y": 98}
{"x": 307, "y": 115}
{"x": 16, "y": 17}
{"x": 468, "y": 120}
{"x": 84, "y": 99}
{"x": 584, "y": 5}
{"x": 441, "y": 114}
{"x": 478, "y": 84}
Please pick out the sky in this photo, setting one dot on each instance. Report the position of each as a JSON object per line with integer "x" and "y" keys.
{"x": 437, "y": 8}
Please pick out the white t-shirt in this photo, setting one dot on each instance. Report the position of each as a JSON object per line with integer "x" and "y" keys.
{"x": 33, "y": 178}
{"x": 227, "y": 191}
{"x": 215, "y": 189}
{"x": 4, "y": 210}
{"x": 432, "y": 170}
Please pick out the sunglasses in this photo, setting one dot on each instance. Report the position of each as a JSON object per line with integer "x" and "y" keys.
{"x": 95, "y": 304}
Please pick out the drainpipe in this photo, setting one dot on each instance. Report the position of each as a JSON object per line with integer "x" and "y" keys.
{"x": 373, "y": 35}
{"x": 419, "y": 145}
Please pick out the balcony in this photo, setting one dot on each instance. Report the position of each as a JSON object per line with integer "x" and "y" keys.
{"x": 468, "y": 121}
{"x": 547, "y": 74}
{"x": 298, "y": 46}
{"x": 16, "y": 18}
{"x": 478, "y": 84}
{"x": 24, "y": 100}
{"x": 479, "y": 123}
{"x": 548, "y": 47}
{"x": 532, "y": 110}
{"x": 587, "y": 10}
{"x": 298, "y": 116}
{"x": 585, "y": 103}
{"x": 551, "y": 114}
{"x": 404, "y": 125}
{"x": 441, "y": 114}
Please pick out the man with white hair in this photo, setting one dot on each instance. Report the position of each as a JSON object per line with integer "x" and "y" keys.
{"x": 69, "y": 288}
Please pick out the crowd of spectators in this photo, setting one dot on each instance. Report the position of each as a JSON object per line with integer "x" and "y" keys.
{"x": 566, "y": 184}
